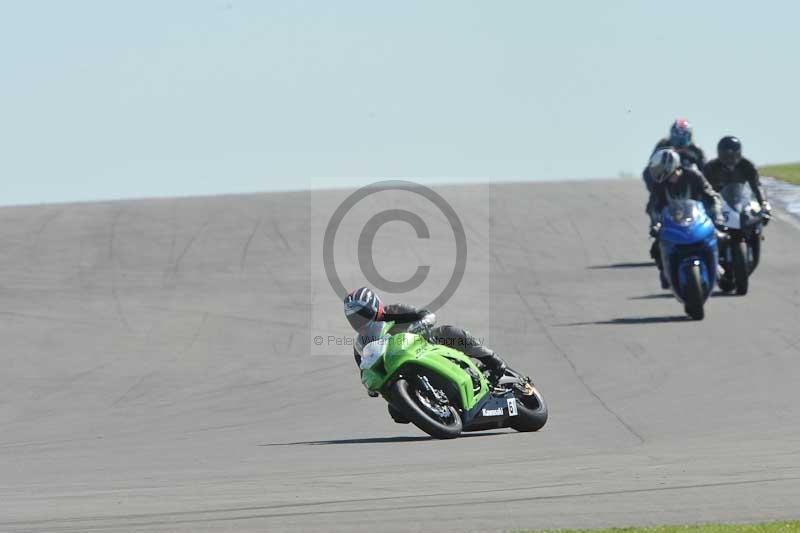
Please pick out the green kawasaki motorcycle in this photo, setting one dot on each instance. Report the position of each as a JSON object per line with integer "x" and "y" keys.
{"x": 442, "y": 391}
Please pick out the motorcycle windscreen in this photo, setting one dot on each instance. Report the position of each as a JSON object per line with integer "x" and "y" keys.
{"x": 739, "y": 206}
{"x": 373, "y": 331}
{"x": 683, "y": 212}
{"x": 374, "y": 352}
{"x": 685, "y": 222}
{"x": 737, "y": 195}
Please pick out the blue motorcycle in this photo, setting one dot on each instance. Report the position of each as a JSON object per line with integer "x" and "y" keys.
{"x": 688, "y": 241}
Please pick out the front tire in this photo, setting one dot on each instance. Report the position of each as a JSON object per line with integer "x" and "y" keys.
{"x": 755, "y": 245}
{"x": 694, "y": 294}
{"x": 531, "y": 410}
{"x": 740, "y": 269}
{"x": 407, "y": 398}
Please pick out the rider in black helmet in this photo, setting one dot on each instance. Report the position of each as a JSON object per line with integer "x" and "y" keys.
{"x": 730, "y": 166}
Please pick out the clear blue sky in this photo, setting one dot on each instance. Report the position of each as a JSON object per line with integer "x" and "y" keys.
{"x": 104, "y": 99}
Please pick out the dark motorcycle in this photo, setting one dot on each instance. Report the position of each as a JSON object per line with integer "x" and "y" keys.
{"x": 740, "y": 249}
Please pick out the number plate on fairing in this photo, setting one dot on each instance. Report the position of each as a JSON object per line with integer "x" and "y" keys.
{"x": 512, "y": 406}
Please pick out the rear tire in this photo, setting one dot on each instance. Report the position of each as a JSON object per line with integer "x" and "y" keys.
{"x": 694, "y": 294}
{"x": 740, "y": 268}
{"x": 531, "y": 411}
{"x": 404, "y": 398}
{"x": 726, "y": 284}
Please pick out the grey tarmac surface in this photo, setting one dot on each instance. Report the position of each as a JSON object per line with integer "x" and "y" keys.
{"x": 158, "y": 375}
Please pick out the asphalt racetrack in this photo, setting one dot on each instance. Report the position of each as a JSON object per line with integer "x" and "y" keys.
{"x": 157, "y": 373}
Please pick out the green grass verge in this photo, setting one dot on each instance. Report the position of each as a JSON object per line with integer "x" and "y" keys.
{"x": 789, "y": 172}
{"x": 770, "y": 527}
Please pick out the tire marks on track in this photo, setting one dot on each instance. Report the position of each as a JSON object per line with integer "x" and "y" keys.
{"x": 261, "y": 512}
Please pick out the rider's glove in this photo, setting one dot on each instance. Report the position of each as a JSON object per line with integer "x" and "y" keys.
{"x": 421, "y": 327}
{"x": 722, "y": 230}
{"x": 766, "y": 212}
{"x": 426, "y": 322}
{"x": 654, "y": 229}
{"x": 417, "y": 327}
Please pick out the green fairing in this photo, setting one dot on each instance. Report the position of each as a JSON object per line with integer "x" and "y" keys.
{"x": 372, "y": 378}
{"x": 411, "y": 349}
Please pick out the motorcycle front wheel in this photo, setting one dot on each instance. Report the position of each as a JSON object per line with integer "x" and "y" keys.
{"x": 425, "y": 411}
{"x": 694, "y": 294}
{"x": 741, "y": 271}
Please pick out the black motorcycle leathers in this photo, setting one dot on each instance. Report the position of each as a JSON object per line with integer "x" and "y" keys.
{"x": 718, "y": 175}
{"x": 409, "y": 318}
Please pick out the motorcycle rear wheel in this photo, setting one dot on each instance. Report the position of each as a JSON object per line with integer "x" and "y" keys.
{"x": 726, "y": 284}
{"x": 531, "y": 411}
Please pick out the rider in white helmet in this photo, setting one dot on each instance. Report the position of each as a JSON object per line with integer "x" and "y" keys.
{"x": 680, "y": 140}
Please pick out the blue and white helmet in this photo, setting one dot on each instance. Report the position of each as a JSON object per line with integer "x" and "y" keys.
{"x": 362, "y": 306}
{"x": 663, "y": 164}
{"x": 680, "y": 134}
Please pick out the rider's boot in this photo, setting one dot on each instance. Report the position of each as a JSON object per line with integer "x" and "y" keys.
{"x": 655, "y": 252}
{"x": 496, "y": 366}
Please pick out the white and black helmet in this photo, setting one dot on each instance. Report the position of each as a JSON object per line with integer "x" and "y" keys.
{"x": 663, "y": 164}
{"x": 362, "y": 306}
